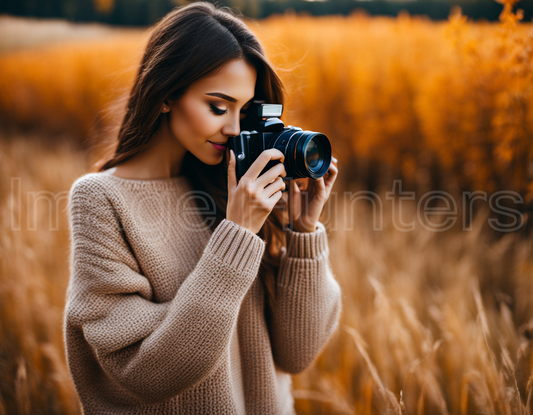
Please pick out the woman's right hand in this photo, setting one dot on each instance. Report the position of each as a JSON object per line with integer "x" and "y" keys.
{"x": 252, "y": 199}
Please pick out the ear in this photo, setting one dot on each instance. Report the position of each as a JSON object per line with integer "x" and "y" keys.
{"x": 165, "y": 107}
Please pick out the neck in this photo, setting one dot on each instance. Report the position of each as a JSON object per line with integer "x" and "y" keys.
{"x": 161, "y": 159}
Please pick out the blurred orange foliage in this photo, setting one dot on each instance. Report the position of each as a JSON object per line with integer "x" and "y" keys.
{"x": 451, "y": 101}
{"x": 66, "y": 87}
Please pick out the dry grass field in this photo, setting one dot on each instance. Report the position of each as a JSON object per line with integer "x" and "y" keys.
{"x": 432, "y": 322}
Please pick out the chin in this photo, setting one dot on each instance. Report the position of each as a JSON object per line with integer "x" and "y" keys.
{"x": 213, "y": 161}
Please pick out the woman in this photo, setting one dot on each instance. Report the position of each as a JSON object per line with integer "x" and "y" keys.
{"x": 187, "y": 293}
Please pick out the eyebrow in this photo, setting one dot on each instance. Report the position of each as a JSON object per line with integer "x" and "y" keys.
{"x": 223, "y": 96}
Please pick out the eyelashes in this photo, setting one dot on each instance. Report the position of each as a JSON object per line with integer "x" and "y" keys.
{"x": 217, "y": 110}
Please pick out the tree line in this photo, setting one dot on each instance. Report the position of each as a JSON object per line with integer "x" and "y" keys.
{"x": 146, "y": 12}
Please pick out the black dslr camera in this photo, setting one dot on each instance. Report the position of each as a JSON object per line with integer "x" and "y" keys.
{"x": 307, "y": 153}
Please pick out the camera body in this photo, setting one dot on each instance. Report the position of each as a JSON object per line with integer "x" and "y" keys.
{"x": 307, "y": 153}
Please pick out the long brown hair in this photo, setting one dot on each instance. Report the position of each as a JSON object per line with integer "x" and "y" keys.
{"x": 188, "y": 43}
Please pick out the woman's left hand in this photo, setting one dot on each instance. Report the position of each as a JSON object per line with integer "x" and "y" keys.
{"x": 304, "y": 217}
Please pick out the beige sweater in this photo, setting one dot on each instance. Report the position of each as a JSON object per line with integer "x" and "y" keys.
{"x": 165, "y": 316}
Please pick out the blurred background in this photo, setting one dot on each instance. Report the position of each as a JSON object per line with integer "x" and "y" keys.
{"x": 434, "y": 95}
{"x": 145, "y": 12}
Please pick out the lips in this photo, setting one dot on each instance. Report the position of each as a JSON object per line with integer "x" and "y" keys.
{"x": 219, "y": 146}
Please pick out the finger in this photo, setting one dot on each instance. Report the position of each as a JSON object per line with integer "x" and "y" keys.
{"x": 332, "y": 175}
{"x": 320, "y": 184}
{"x": 333, "y": 169}
{"x": 293, "y": 197}
{"x": 284, "y": 197}
{"x": 303, "y": 183}
{"x": 271, "y": 174}
{"x": 260, "y": 163}
{"x": 294, "y": 189}
{"x": 315, "y": 185}
{"x": 276, "y": 185}
{"x": 232, "y": 176}
{"x": 274, "y": 199}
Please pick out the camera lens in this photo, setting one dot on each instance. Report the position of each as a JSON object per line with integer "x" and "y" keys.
{"x": 312, "y": 153}
{"x": 307, "y": 153}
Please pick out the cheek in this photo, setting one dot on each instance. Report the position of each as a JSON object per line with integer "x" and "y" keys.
{"x": 193, "y": 124}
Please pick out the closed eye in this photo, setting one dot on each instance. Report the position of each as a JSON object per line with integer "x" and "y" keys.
{"x": 217, "y": 110}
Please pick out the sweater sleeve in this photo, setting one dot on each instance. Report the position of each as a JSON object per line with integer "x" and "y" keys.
{"x": 139, "y": 343}
{"x": 308, "y": 301}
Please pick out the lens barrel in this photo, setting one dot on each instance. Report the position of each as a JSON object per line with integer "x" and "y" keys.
{"x": 307, "y": 153}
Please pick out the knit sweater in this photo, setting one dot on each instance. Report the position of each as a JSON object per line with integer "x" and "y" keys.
{"x": 165, "y": 316}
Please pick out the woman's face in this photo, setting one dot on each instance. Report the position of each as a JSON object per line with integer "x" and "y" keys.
{"x": 209, "y": 111}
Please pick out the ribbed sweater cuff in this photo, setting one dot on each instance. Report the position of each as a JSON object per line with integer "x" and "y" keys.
{"x": 307, "y": 244}
{"x": 236, "y": 246}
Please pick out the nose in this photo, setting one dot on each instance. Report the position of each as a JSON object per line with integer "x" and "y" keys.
{"x": 232, "y": 127}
